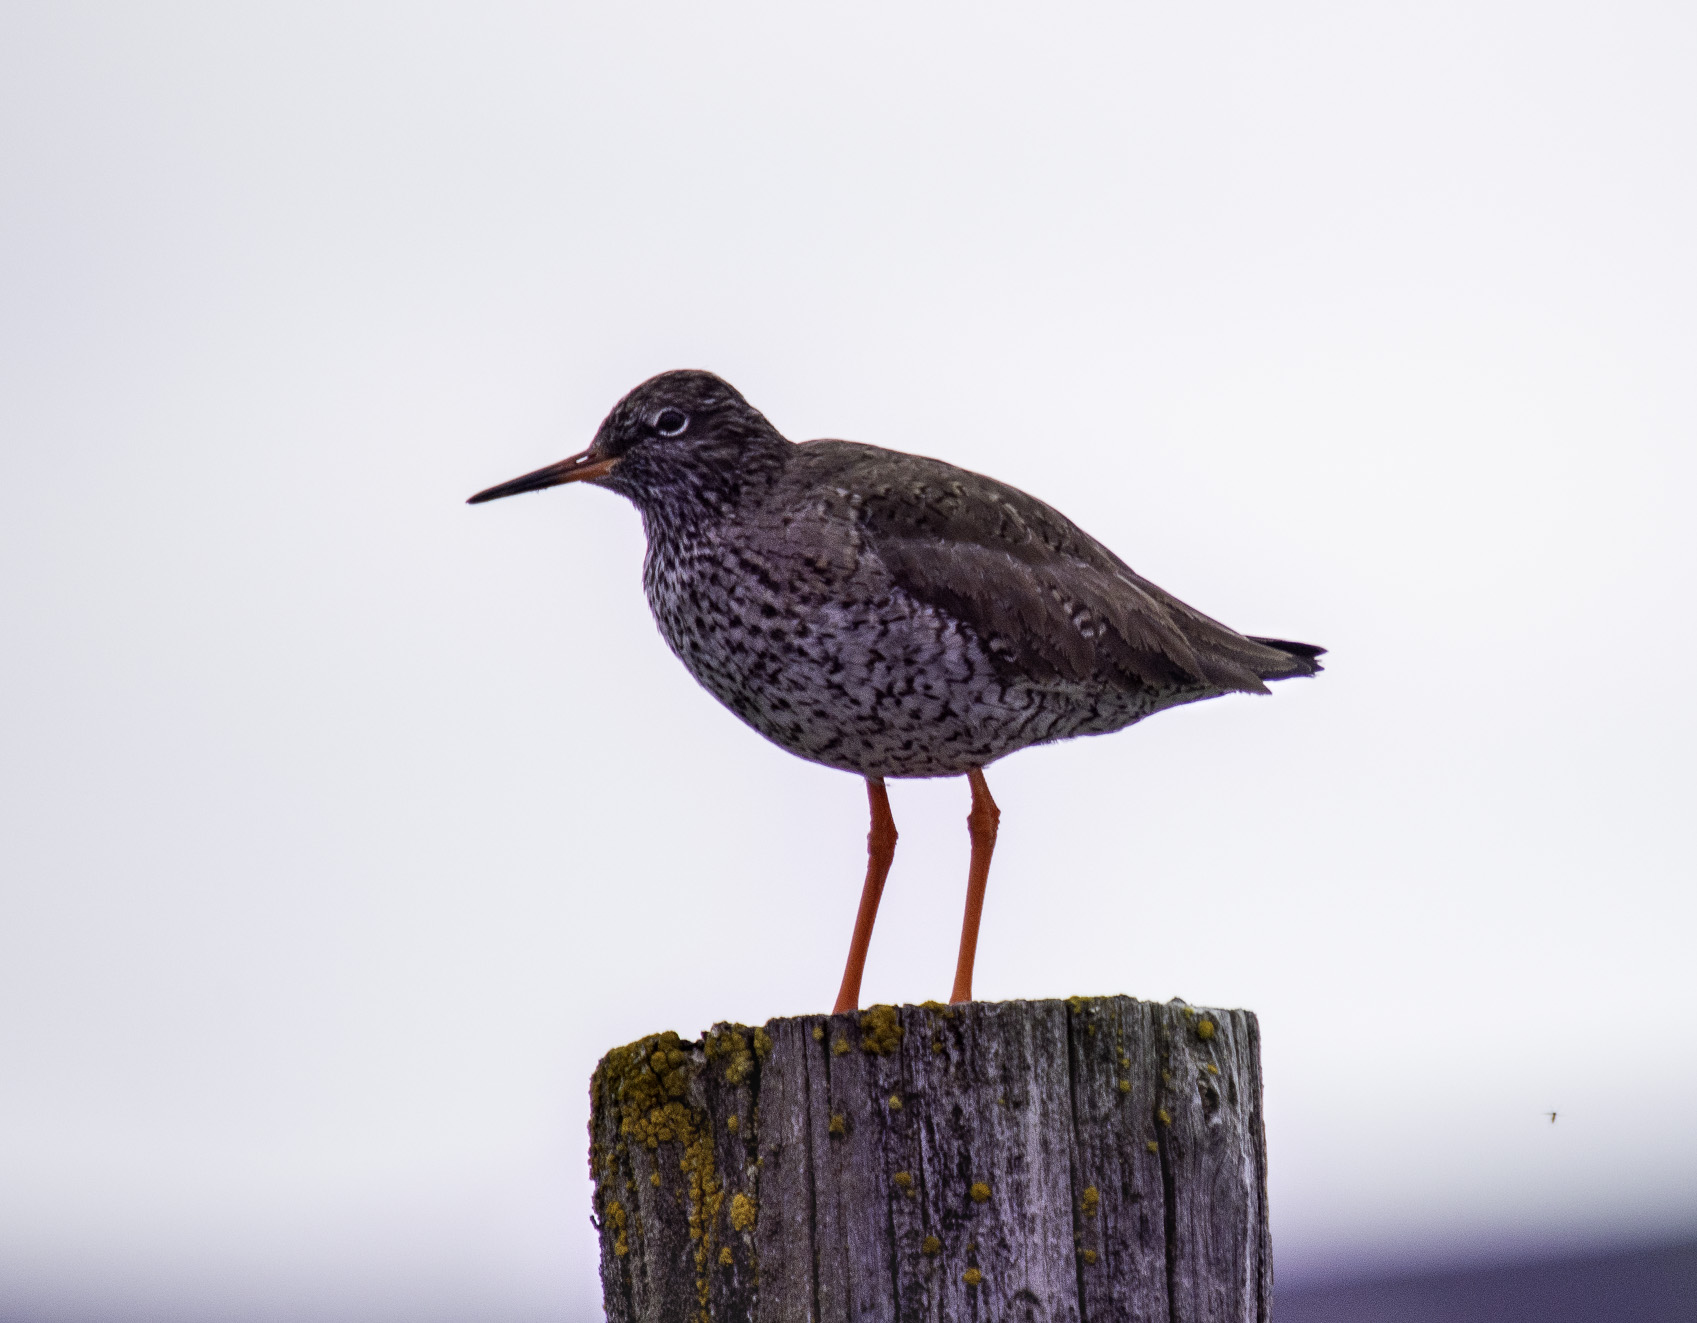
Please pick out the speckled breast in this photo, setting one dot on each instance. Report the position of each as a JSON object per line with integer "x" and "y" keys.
{"x": 838, "y": 666}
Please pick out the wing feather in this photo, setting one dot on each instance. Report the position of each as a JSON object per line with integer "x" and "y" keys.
{"x": 1048, "y": 598}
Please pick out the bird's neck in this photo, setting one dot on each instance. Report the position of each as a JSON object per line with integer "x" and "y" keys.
{"x": 689, "y": 497}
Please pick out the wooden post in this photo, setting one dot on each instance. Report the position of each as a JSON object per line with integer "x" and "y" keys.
{"x": 1079, "y": 1161}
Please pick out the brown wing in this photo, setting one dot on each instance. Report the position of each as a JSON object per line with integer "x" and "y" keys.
{"x": 1051, "y": 600}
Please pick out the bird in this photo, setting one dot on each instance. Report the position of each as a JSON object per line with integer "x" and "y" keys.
{"x": 889, "y": 614}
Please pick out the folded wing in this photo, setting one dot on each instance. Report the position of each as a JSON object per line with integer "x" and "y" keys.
{"x": 1051, "y": 600}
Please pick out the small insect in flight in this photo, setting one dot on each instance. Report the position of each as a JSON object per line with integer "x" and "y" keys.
{"x": 1552, "y": 1117}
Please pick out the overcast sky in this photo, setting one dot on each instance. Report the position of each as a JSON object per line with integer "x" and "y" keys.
{"x": 344, "y": 827}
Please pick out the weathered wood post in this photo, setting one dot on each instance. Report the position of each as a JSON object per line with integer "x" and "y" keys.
{"x": 1079, "y": 1161}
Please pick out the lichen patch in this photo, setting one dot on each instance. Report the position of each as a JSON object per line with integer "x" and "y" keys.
{"x": 645, "y": 1087}
{"x": 880, "y": 1030}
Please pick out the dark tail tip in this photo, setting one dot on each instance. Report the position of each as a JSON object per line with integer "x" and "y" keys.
{"x": 1307, "y": 652}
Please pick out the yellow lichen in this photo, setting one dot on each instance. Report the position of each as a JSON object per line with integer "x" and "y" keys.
{"x": 706, "y": 1194}
{"x": 1152, "y": 1146}
{"x": 644, "y": 1088}
{"x": 1091, "y": 1198}
{"x": 903, "y": 1179}
{"x": 838, "y": 1125}
{"x": 616, "y": 1220}
{"x": 937, "y": 1045}
{"x": 839, "y": 1046}
{"x": 942, "y": 1008}
{"x": 725, "y": 1256}
{"x": 654, "y": 1179}
{"x": 732, "y": 1124}
{"x": 743, "y": 1212}
{"x": 818, "y": 1033}
{"x": 1125, "y": 1086}
{"x": 1212, "y": 1069}
{"x": 931, "y": 1246}
{"x": 880, "y": 1030}
{"x": 1205, "y": 1029}
{"x": 1089, "y": 1255}
{"x": 979, "y": 1192}
{"x": 631, "y": 1080}
{"x": 1162, "y": 1115}
{"x": 895, "y": 1102}
{"x": 730, "y": 1045}
{"x": 972, "y": 1277}
{"x": 762, "y": 1043}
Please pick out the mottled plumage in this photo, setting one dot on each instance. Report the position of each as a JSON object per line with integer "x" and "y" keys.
{"x": 885, "y": 613}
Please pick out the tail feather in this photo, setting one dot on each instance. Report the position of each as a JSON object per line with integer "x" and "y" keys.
{"x": 1305, "y": 653}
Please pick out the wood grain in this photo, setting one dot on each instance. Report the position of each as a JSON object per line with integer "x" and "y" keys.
{"x": 1073, "y": 1161}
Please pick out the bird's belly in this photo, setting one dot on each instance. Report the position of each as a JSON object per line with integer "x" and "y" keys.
{"x": 876, "y": 684}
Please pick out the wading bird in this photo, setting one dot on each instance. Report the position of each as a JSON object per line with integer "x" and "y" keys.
{"x": 892, "y": 615}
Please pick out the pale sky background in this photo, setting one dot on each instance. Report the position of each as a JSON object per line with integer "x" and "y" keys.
{"x": 343, "y": 827}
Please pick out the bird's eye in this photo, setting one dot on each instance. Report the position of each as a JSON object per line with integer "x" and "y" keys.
{"x": 670, "y": 422}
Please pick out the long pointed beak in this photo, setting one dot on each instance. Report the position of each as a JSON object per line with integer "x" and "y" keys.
{"x": 581, "y": 467}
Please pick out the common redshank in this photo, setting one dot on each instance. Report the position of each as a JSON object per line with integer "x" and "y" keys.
{"x": 892, "y": 615}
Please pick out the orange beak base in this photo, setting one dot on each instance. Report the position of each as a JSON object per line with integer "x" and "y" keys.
{"x": 582, "y": 467}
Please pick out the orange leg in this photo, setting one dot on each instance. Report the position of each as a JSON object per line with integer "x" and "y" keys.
{"x": 981, "y": 823}
{"x": 880, "y": 850}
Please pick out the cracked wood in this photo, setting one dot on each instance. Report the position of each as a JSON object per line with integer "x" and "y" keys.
{"x": 1073, "y": 1161}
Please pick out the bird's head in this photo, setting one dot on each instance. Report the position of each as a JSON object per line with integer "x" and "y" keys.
{"x": 682, "y": 442}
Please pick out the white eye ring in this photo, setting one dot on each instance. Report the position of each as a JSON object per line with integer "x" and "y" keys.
{"x": 671, "y": 422}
